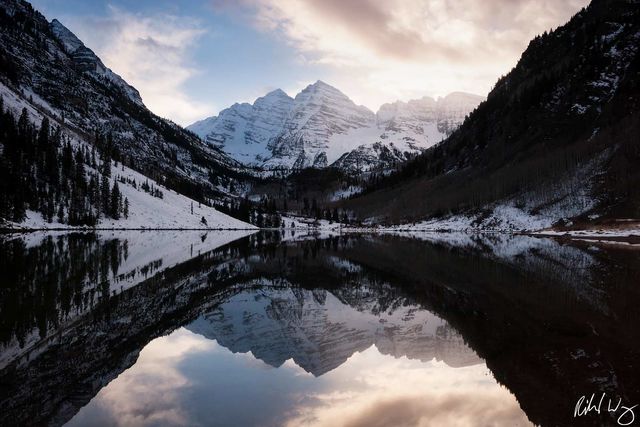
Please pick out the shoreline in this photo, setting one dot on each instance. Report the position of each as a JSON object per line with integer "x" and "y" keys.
{"x": 612, "y": 235}
{"x": 90, "y": 229}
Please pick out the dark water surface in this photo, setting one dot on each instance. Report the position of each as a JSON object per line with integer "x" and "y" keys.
{"x": 231, "y": 329}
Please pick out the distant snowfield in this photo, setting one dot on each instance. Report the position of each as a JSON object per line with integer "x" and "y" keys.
{"x": 321, "y": 124}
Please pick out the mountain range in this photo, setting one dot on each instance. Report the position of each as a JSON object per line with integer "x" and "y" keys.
{"x": 322, "y": 127}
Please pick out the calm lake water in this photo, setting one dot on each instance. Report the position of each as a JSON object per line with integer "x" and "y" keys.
{"x": 277, "y": 329}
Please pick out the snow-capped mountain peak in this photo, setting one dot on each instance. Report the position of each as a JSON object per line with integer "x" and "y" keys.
{"x": 272, "y": 98}
{"x": 318, "y": 90}
{"x": 321, "y": 125}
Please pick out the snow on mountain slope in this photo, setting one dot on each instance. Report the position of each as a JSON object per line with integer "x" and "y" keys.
{"x": 203, "y": 127}
{"x": 244, "y": 130}
{"x": 407, "y": 128}
{"x": 321, "y": 126}
{"x": 43, "y": 61}
{"x": 320, "y": 113}
{"x": 421, "y": 123}
{"x": 172, "y": 211}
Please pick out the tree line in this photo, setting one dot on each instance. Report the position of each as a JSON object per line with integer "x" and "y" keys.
{"x": 42, "y": 171}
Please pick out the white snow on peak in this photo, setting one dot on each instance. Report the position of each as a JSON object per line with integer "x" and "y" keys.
{"x": 203, "y": 127}
{"x": 244, "y": 130}
{"x": 321, "y": 124}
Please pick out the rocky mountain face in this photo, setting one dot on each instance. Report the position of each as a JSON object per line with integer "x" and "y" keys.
{"x": 45, "y": 65}
{"x": 556, "y": 137}
{"x": 408, "y": 121}
{"x": 408, "y": 128}
{"x": 245, "y": 130}
{"x": 322, "y": 127}
{"x": 86, "y": 60}
{"x": 321, "y": 114}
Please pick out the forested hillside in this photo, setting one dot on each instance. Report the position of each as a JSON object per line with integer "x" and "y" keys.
{"x": 47, "y": 67}
{"x": 42, "y": 171}
{"x": 558, "y": 136}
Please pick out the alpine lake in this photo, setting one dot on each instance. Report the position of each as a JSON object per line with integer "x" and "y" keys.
{"x": 278, "y": 328}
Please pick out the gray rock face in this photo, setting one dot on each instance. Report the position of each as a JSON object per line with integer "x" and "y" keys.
{"x": 244, "y": 130}
{"x": 86, "y": 60}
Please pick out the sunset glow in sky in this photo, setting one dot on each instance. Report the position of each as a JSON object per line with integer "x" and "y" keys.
{"x": 191, "y": 58}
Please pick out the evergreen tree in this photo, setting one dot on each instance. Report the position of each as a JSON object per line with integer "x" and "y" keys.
{"x": 43, "y": 135}
{"x": 115, "y": 201}
{"x": 105, "y": 195}
{"x": 106, "y": 166}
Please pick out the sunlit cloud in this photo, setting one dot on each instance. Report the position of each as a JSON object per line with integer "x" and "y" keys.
{"x": 375, "y": 390}
{"x": 381, "y": 51}
{"x": 156, "y": 384}
{"x": 152, "y": 53}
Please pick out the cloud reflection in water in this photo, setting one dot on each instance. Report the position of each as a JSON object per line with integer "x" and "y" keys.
{"x": 186, "y": 379}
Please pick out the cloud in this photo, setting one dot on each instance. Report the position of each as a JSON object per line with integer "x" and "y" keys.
{"x": 438, "y": 410}
{"x": 406, "y": 48}
{"x": 152, "y": 53}
{"x": 156, "y": 381}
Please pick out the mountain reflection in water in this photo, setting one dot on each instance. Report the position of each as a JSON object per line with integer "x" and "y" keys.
{"x": 186, "y": 328}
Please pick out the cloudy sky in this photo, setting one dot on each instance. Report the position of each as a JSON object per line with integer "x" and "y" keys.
{"x": 192, "y": 58}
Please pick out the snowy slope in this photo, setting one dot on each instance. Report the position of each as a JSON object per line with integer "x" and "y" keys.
{"x": 173, "y": 211}
{"x": 48, "y": 65}
{"x": 321, "y": 126}
{"x": 424, "y": 122}
{"x": 320, "y": 114}
{"x": 404, "y": 129}
{"x": 244, "y": 130}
